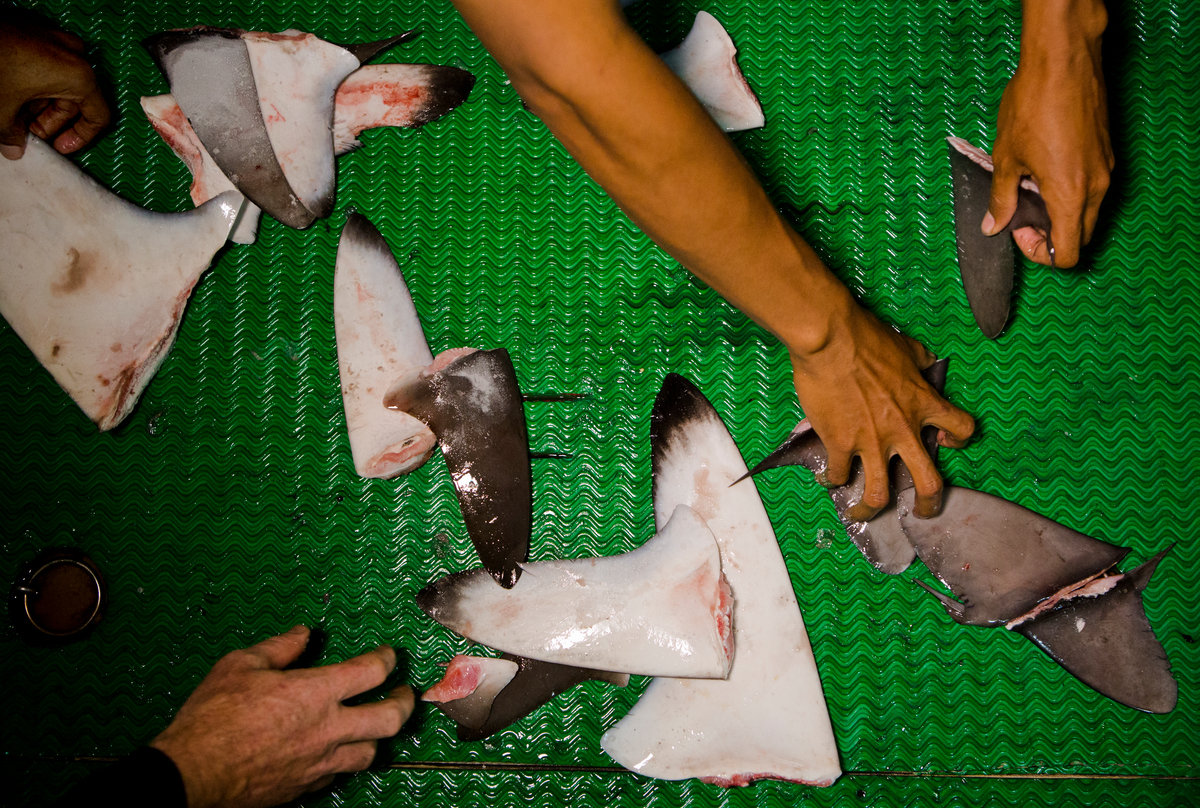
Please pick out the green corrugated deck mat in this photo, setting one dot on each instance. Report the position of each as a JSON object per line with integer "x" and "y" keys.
{"x": 226, "y": 507}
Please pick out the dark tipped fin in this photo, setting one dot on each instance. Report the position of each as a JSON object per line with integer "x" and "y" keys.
{"x": 448, "y": 88}
{"x": 366, "y": 51}
{"x": 1108, "y": 644}
{"x": 678, "y": 405}
{"x": 986, "y": 263}
{"x": 534, "y": 684}
{"x": 473, "y": 406}
{"x": 440, "y": 599}
{"x": 953, "y": 607}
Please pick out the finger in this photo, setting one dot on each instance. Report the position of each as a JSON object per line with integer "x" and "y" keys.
{"x": 922, "y": 356}
{"x": 836, "y": 471}
{"x": 352, "y": 757}
{"x": 57, "y": 115}
{"x": 1092, "y": 212}
{"x": 274, "y": 653}
{"x": 876, "y": 492}
{"x": 382, "y": 719}
{"x": 945, "y": 439}
{"x": 1066, "y": 224}
{"x": 1032, "y": 242}
{"x": 926, "y": 481}
{"x": 69, "y": 41}
{"x": 360, "y": 673}
{"x": 94, "y": 115}
{"x": 1003, "y": 202}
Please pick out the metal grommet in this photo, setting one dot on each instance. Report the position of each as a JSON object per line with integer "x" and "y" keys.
{"x": 57, "y": 598}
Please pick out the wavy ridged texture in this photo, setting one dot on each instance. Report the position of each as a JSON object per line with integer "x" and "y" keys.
{"x": 226, "y": 508}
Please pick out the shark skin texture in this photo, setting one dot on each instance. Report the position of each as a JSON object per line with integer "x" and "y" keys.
{"x": 1015, "y": 568}
{"x": 472, "y": 402}
{"x": 987, "y": 263}
{"x": 401, "y": 401}
{"x": 379, "y": 338}
{"x": 482, "y": 698}
{"x": 880, "y": 540}
{"x": 706, "y": 62}
{"x": 96, "y": 285}
{"x": 1011, "y": 567}
{"x": 373, "y": 96}
{"x": 263, "y": 106}
{"x": 768, "y": 719}
{"x": 662, "y": 609}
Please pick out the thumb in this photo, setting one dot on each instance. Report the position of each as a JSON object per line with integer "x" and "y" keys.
{"x": 1003, "y": 203}
{"x": 12, "y": 138}
{"x": 281, "y": 650}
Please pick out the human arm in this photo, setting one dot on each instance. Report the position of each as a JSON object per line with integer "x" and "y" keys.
{"x": 253, "y": 734}
{"x": 638, "y": 131}
{"x": 1053, "y": 126}
{"x": 47, "y": 87}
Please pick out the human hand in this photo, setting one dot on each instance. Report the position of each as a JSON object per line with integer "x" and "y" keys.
{"x": 48, "y": 88}
{"x": 1053, "y": 126}
{"x": 864, "y": 395}
{"x": 253, "y": 734}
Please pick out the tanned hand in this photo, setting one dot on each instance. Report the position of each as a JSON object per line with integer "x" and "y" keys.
{"x": 864, "y": 395}
{"x": 1053, "y": 126}
{"x": 47, "y": 88}
{"x": 253, "y": 734}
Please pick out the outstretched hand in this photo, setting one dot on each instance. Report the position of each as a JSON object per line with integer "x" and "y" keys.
{"x": 1053, "y": 126}
{"x": 865, "y": 396}
{"x": 48, "y": 88}
{"x": 253, "y": 734}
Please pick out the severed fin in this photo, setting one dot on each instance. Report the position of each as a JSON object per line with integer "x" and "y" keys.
{"x": 93, "y": 284}
{"x": 880, "y": 540}
{"x": 999, "y": 559}
{"x": 662, "y": 609}
{"x": 473, "y": 405}
{"x": 706, "y": 62}
{"x": 212, "y": 79}
{"x": 532, "y": 684}
{"x": 379, "y": 337}
{"x": 407, "y": 96}
{"x": 987, "y": 263}
{"x": 208, "y": 180}
{"x": 469, "y": 688}
{"x": 366, "y": 51}
{"x": 1107, "y": 643}
{"x": 768, "y": 720}
{"x": 297, "y": 75}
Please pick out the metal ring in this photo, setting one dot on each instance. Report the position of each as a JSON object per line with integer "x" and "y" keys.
{"x": 30, "y": 591}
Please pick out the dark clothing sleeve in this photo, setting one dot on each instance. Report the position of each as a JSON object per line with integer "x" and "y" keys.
{"x": 145, "y": 779}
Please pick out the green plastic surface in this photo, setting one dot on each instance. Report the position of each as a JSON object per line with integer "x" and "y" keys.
{"x": 226, "y": 508}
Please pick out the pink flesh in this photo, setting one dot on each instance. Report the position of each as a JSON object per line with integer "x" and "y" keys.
{"x": 461, "y": 679}
{"x": 94, "y": 285}
{"x": 742, "y": 780}
{"x": 375, "y": 96}
{"x": 1087, "y": 588}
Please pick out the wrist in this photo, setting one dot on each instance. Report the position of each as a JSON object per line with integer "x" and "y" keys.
{"x": 1054, "y": 31}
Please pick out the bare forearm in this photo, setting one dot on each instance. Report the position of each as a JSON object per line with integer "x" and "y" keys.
{"x": 638, "y": 131}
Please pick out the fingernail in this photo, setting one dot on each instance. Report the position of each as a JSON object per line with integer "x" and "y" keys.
{"x": 989, "y": 224}
{"x": 12, "y": 152}
{"x": 300, "y": 629}
{"x": 68, "y": 143}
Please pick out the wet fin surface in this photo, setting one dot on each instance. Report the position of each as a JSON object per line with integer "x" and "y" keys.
{"x": 379, "y": 337}
{"x": 473, "y": 406}
{"x": 534, "y": 684}
{"x": 660, "y": 610}
{"x": 1107, "y": 643}
{"x": 881, "y": 540}
{"x": 212, "y": 80}
{"x": 768, "y": 719}
{"x": 987, "y": 263}
{"x": 998, "y": 558}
